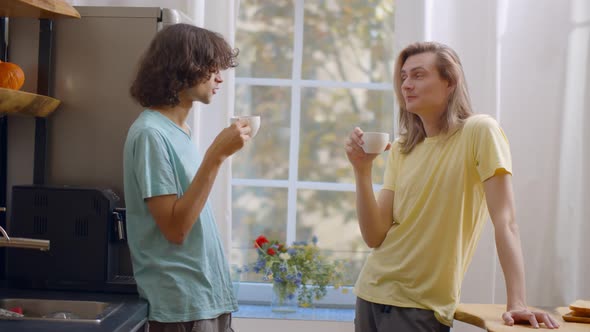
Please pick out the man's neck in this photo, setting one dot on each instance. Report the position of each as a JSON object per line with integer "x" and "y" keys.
{"x": 431, "y": 128}
{"x": 177, "y": 114}
{"x": 432, "y": 124}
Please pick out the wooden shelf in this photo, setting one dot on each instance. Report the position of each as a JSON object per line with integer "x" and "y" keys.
{"x": 51, "y": 9}
{"x": 24, "y": 103}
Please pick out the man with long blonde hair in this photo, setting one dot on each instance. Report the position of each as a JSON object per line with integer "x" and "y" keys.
{"x": 446, "y": 172}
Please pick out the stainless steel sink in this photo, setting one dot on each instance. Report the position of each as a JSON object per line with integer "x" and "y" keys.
{"x": 61, "y": 310}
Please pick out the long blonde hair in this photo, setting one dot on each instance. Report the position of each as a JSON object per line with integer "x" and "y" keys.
{"x": 458, "y": 105}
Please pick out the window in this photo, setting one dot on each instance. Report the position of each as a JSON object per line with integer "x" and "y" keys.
{"x": 313, "y": 70}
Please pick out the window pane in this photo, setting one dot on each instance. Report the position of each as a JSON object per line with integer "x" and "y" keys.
{"x": 331, "y": 216}
{"x": 264, "y": 35}
{"x": 348, "y": 40}
{"x": 256, "y": 211}
{"x": 267, "y": 155}
{"x": 240, "y": 257}
{"x": 343, "y": 41}
{"x": 327, "y": 118}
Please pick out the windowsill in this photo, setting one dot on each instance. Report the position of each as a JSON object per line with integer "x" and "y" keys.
{"x": 314, "y": 314}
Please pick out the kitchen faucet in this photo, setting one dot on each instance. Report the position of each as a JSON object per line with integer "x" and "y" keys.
{"x": 20, "y": 242}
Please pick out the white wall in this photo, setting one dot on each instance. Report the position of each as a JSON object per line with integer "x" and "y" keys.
{"x": 212, "y": 118}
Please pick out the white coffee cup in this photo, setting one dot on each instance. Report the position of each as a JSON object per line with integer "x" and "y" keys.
{"x": 374, "y": 142}
{"x": 253, "y": 122}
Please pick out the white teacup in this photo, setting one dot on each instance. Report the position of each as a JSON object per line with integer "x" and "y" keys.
{"x": 374, "y": 142}
{"x": 253, "y": 121}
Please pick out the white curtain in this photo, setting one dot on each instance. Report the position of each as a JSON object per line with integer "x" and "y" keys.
{"x": 527, "y": 63}
{"x": 205, "y": 120}
{"x": 544, "y": 104}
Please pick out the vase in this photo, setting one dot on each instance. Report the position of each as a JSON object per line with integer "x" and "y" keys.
{"x": 282, "y": 301}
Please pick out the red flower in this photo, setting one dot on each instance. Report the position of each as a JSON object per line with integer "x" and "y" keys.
{"x": 261, "y": 240}
{"x": 271, "y": 251}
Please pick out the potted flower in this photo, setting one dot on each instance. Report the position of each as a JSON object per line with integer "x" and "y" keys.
{"x": 299, "y": 273}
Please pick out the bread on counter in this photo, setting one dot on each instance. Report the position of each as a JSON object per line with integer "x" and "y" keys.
{"x": 580, "y": 312}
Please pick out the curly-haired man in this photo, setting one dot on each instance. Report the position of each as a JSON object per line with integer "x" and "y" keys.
{"x": 177, "y": 255}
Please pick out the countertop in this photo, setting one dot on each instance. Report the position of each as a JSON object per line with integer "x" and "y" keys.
{"x": 489, "y": 317}
{"x": 129, "y": 317}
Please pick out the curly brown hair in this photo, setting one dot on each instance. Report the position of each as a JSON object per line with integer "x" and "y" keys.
{"x": 179, "y": 57}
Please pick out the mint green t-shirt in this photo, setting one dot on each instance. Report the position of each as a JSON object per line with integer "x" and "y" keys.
{"x": 183, "y": 282}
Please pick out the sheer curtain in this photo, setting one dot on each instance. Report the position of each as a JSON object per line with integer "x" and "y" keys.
{"x": 528, "y": 64}
{"x": 206, "y": 121}
{"x": 545, "y": 97}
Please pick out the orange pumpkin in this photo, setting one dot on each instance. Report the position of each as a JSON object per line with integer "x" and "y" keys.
{"x": 11, "y": 76}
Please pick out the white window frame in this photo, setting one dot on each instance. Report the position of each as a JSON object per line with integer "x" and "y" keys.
{"x": 251, "y": 292}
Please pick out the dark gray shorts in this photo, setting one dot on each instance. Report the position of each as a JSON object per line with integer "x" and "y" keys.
{"x": 373, "y": 317}
{"x": 219, "y": 324}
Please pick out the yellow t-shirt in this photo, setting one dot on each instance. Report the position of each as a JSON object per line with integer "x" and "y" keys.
{"x": 439, "y": 210}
